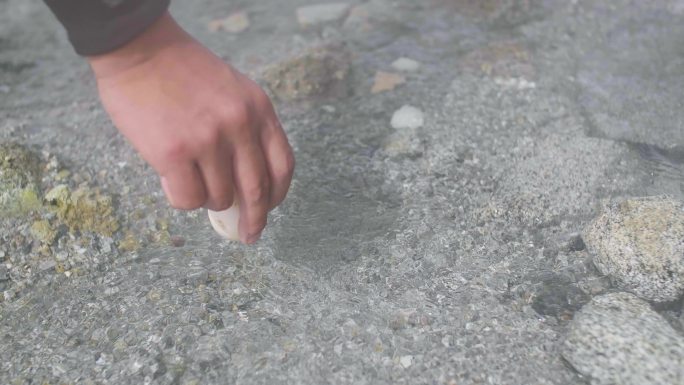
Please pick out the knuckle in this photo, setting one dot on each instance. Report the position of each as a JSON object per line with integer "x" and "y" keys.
{"x": 209, "y": 137}
{"x": 257, "y": 194}
{"x": 238, "y": 114}
{"x": 176, "y": 150}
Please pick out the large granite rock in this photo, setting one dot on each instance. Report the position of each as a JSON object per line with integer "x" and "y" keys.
{"x": 618, "y": 339}
{"x": 639, "y": 243}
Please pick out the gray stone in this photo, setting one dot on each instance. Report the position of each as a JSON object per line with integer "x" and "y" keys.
{"x": 316, "y": 14}
{"x": 317, "y": 72}
{"x": 408, "y": 117}
{"x": 405, "y": 64}
{"x": 618, "y": 339}
{"x": 639, "y": 243}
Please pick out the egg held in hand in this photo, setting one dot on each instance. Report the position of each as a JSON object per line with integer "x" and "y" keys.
{"x": 226, "y": 222}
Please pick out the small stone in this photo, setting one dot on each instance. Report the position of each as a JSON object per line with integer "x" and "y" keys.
{"x": 47, "y": 265}
{"x": 408, "y": 117}
{"x": 43, "y": 232}
{"x": 517, "y": 83}
{"x": 385, "y": 81}
{"x": 317, "y": 72}
{"x": 59, "y": 193}
{"x": 312, "y": 15}
{"x": 130, "y": 243}
{"x": 406, "y": 361}
{"x": 639, "y": 243}
{"x": 235, "y": 23}
{"x": 406, "y": 65}
{"x": 618, "y": 339}
{"x": 177, "y": 241}
{"x": 62, "y": 175}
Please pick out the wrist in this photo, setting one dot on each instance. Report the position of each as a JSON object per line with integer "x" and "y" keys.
{"x": 161, "y": 35}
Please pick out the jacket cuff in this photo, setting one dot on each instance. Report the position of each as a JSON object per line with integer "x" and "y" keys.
{"x": 96, "y": 27}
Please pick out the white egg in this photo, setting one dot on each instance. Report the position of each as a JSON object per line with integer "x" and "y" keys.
{"x": 226, "y": 222}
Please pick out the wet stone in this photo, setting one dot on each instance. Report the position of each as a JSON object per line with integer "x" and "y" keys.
{"x": 386, "y": 81}
{"x": 235, "y": 23}
{"x": 317, "y": 72}
{"x": 406, "y": 65}
{"x": 618, "y": 339}
{"x": 558, "y": 298}
{"x": 639, "y": 243}
{"x": 408, "y": 117}
{"x": 317, "y": 14}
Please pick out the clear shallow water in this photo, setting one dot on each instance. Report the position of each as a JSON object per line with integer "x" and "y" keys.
{"x": 380, "y": 269}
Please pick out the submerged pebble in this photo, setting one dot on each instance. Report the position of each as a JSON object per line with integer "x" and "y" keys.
{"x": 405, "y": 64}
{"x": 317, "y": 72}
{"x": 235, "y": 23}
{"x": 407, "y": 117}
{"x": 386, "y": 81}
{"x": 639, "y": 243}
{"x": 316, "y": 14}
{"x": 618, "y": 339}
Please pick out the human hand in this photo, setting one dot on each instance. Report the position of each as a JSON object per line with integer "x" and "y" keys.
{"x": 210, "y": 132}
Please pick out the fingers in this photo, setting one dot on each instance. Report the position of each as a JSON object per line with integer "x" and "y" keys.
{"x": 184, "y": 186}
{"x": 280, "y": 163}
{"x": 216, "y": 169}
{"x": 254, "y": 191}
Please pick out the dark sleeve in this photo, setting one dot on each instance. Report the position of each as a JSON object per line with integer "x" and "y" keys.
{"x": 99, "y": 26}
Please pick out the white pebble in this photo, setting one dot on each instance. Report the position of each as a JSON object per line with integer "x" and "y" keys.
{"x": 408, "y": 117}
{"x": 226, "y": 222}
{"x": 406, "y": 361}
{"x": 405, "y": 64}
{"x": 321, "y": 13}
{"x": 235, "y": 23}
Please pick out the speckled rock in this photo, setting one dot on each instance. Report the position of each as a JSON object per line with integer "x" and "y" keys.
{"x": 639, "y": 243}
{"x": 317, "y": 72}
{"x": 618, "y": 339}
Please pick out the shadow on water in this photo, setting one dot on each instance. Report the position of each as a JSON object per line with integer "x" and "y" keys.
{"x": 665, "y": 164}
{"x": 338, "y": 208}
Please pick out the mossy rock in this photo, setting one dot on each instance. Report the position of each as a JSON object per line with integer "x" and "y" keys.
{"x": 83, "y": 210}
{"x": 20, "y": 172}
{"x": 43, "y": 231}
{"x": 130, "y": 243}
